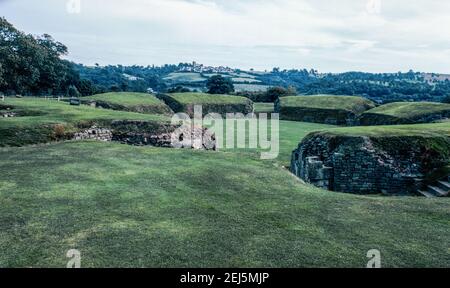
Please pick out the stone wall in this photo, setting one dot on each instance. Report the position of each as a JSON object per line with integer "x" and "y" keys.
{"x": 94, "y": 133}
{"x": 7, "y": 114}
{"x": 143, "y": 133}
{"x": 362, "y": 165}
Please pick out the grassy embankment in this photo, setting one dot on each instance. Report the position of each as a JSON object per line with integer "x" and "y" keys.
{"x": 322, "y": 108}
{"x": 406, "y": 113}
{"x": 41, "y": 121}
{"x": 127, "y": 101}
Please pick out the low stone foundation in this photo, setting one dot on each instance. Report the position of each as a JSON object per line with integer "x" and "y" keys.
{"x": 143, "y": 133}
{"x": 362, "y": 165}
{"x": 95, "y": 133}
{"x": 7, "y": 114}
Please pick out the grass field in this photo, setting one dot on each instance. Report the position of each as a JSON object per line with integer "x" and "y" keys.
{"x": 290, "y": 135}
{"x": 203, "y": 98}
{"x": 431, "y": 129}
{"x": 251, "y": 87}
{"x": 37, "y": 118}
{"x": 264, "y": 107}
{"x": 410, "y": 110}
{"x": 127, "y": 101}
{"x": 185, "y": 77}
{"x": 349, "y": 103}
{"x": 125, "y": 206}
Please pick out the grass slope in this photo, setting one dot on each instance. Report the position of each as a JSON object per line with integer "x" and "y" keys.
{"x": 290, "y": 135}
{"x": 340, "y": 110}
{"x": 128, "y": 101}
{"x": 120, "y": 206}
{"x": 185, "y": 77}
{"x": 352, "y": 104}
{"x": 38, "y": 118}
{"x": 406, "y": 113}
{"x": 222, "y": 104}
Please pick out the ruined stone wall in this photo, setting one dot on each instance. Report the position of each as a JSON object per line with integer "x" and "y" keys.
{"x": 143, "y": 133}
{"x": 360, "y": 165}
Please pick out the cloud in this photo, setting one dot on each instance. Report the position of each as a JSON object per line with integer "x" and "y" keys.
{"x": 328, "y": 35}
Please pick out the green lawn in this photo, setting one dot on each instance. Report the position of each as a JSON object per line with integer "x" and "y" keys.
{"x": 349, "y": 103}
{"x": 410, "y": 110}
{"x": 203, "y": 98}
{"x": 124, "y": 206}
{"x": 185, "y": 77}
{"x": 290, "y": 135}
{"x": 37, "y": 118}
{"x": 264, "y": 107}
{"x": 432, "y": 129}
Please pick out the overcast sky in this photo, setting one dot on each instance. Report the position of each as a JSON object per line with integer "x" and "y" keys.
{"x": 331, "y": 36}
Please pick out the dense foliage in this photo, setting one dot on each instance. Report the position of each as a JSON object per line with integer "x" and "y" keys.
{"x": 219, "y": 85}
{"x": 32, "y": 65}
{"x": 384, "y": 87}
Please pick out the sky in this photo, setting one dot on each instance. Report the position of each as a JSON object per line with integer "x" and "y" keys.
{"x": 327, "y": 35}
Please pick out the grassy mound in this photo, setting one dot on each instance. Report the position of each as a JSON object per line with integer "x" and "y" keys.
{"x": 338, "y": 110}
{"x": 125, "y": 206}
{"x": 406, "y": 113}
{"x": 434, "y": 136}
{"x": 373, "y": 160}
{"x": 127, "y": 101}
{"x": 222, "y": 104}
{"x": 41, "y": 121}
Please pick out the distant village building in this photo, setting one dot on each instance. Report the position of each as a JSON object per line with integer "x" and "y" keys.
{"x": 150, "y": 91}
{"x": 200, "y": 68}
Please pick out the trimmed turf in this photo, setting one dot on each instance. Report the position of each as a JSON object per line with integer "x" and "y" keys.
{"x": 339, "y": 110}
{"x": 211, "y": 103}
{"x": 406, "y": 113}
{"x": 431, "y": 129}
{"x": 203, "y": 98}
{"x": 352, "y": 104}
{"x": 38, "y": 117}
{"x": 128, "y": 101}
{"x": 264, "y": 107}
{"x": 430, "y": 139}
{"x": 124, "y": 206}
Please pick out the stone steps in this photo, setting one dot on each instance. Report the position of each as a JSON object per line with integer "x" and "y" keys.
{"x": 438, "y": 189}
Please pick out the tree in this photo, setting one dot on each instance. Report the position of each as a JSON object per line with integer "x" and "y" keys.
{"x": 446, "y": 99}
{"x": 32, "y": 65}
{"x": 219, "y": 85}
{"x": 86, "y": 88}
{"x": 72, "y": 92}
{"x": 276, "y": 92}
{"x": 178, "y": 89}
